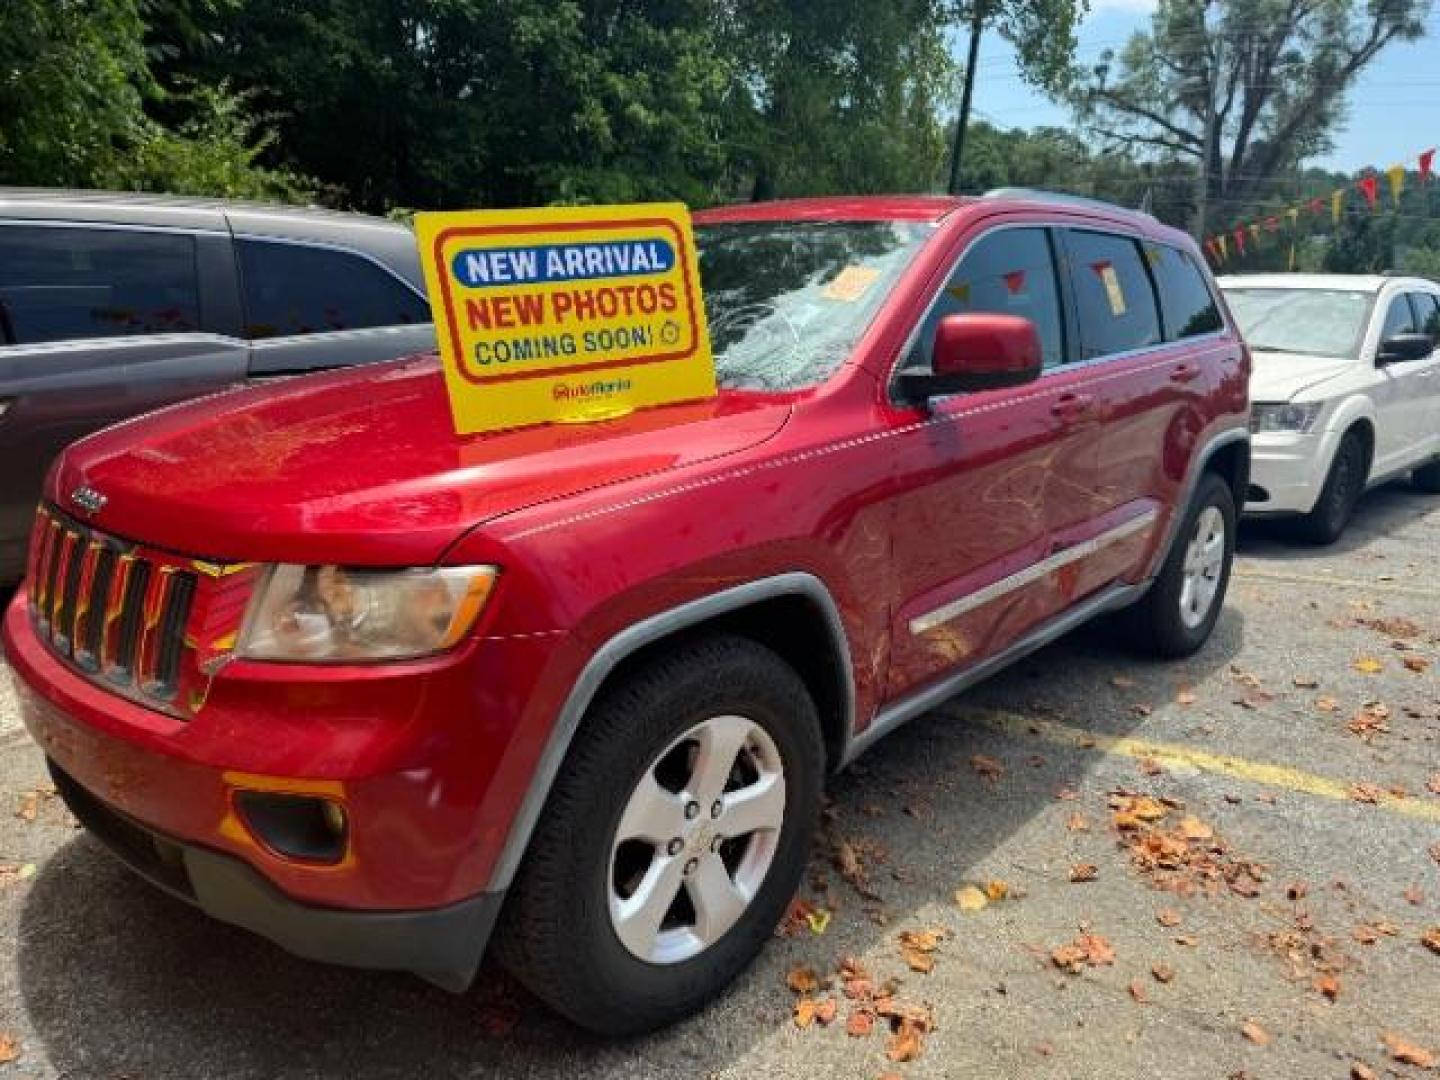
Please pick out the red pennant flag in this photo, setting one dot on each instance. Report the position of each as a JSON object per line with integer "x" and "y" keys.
{"x": 1427, "y": 159}
{"x": 1240, "y": 239}
{"x": 1370, "y": 188}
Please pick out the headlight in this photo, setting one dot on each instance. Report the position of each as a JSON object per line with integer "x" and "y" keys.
{"x": 327, "y": 614}
{"x": 1283, "y": 416}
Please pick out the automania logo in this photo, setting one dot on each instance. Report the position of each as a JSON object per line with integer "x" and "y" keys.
{"x": 88, "y": 499}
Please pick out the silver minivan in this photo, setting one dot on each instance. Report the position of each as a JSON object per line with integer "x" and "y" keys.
{"x": 115, "y": 304}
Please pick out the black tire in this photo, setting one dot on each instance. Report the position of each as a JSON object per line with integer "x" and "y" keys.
{"x": 556, "y": 933}
{"x": 1155, "y": 626}
{"x": 1427, "y": 478}
{"x": 1344, "y": 485}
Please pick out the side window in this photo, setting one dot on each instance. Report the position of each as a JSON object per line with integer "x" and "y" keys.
{"x": 61, "y": 283}
{"x": 292, "y": 289}
{"x": 1427, "y": 314}
{"x": 1010, "y": 271}
{"x": 1399, "y": 318}
{"x": 1185, "y": 297}
{"x": 1114, "y": 299}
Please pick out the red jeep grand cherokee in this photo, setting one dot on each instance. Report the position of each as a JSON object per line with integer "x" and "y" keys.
{"x": 306, "y": 658}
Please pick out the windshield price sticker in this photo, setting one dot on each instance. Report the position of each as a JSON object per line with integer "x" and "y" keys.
{"x": 565, "y": 313}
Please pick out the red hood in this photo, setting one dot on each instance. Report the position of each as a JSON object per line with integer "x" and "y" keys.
{"x": 362, "y": 465}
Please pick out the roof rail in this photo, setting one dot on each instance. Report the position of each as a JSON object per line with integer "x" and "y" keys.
{"x": 1040, "y": 195}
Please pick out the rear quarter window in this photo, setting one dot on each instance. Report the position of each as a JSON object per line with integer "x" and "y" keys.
{"x": 1114, "y": 298}
{"x": 292, "y": 289}
{"x": 1185, "y": 298}
{"x": 66, "y": 283}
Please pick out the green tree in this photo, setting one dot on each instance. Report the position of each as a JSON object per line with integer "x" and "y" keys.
{"x": 1276, "y": 73}
{"x": 75, "y": 83}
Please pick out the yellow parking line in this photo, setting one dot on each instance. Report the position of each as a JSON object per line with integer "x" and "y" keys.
{"x": 1258, "y": 772}
{"x": 1326, "y": 579}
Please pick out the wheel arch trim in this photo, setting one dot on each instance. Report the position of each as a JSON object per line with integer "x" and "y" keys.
{"x": 626, "y": 643}
{"x": 1198, "y": 463}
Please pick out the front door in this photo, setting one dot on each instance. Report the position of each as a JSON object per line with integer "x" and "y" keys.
{"x": 979, "y": 476}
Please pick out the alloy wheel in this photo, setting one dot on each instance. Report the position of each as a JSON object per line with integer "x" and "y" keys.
{"x": 1203, "y": 567}
{"x": 696, "y": 839}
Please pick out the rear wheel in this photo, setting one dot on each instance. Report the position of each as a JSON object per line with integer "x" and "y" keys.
{"x": 1427, "y": 477}
{"x": 1176, "y": 616}
{"x": 1344, "y": 485}
{"x": 673, "y": 840}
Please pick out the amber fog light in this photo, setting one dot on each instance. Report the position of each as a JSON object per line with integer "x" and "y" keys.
{"x": 295, "y": 826}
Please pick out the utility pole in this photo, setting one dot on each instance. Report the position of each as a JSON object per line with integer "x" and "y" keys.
{"x": 1207, "y": 153}
{"x": 977, "y": 25}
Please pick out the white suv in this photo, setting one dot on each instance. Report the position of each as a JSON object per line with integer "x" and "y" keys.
{"x": 1345, "y": 390}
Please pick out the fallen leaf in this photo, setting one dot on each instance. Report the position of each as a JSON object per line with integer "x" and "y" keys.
{"x": 1137, "y": 991}
{"x": 805, "y": 1012}
{"x": 1163, "y": 973}
{"x": 1306, "y": 682}
{"x": 9, "y": 1048}
{"x": 1076, "y": 821}
{"x": 988, "y": 769}
{"x": 1168, "y": 917}
{"x": 29, "y": 806}
{"x": 1407, "y": 1052}
{"x": 1360, "y": 1071}
{"x": 1396, "y": 626}
{"x": 860, "y": 1023}
{"x": 1365, "y": 793}
{"x": 1185, "y": 697}
{"x": 803, "y": 980}
{"x": 922, "y": 962}
{"x": 997, "y": 890}
{"x": 905, "y": 1043}
{"x": 1084, "y": 872}
{"x": 1098, "y": 950}
{"x": 1329, "y": 985}
{"x": 13, "y": 872}
{"x": 971, "y": 899}
{"x": 1326, "y": 703}
{"x": 1193, "y": 828}
{"x": 818, "y": 920}
{"x": 1417, "y": 664}
{"x": 1255, "y": 1033}
{"x": 1368, "y": 665}
{"x": 1150, "y": 767}
{"x": 1068, "y": 958}
{"x": 1431, "y": 939}
{"x": 825, "y": 1011}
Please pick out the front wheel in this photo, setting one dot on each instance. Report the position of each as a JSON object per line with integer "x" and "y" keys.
{"x": 1344, "y": 484}
{"x": 1176, "y": 616}
{"x": 675, "y": 836}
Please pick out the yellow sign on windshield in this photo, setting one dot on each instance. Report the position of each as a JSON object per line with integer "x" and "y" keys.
{"x": 565, "y": 313}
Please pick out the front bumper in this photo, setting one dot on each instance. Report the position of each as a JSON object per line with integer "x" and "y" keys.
{"x": 443, "y": 945}
{"x": 1287, "y": 471}
{"x": 411, "y": 752}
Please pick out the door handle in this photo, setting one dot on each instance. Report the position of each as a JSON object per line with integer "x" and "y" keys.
{"x": 1071, "y": 407}
{"x": 1184, "y": 373}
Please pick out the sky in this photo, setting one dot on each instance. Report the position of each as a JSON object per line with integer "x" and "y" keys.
{"x": 1394, "y": 107}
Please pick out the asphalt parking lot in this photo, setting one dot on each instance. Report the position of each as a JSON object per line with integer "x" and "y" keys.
{"x": 1218, "y": 868}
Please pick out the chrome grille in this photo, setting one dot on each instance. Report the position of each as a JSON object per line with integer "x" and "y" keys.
{"x": 116, "y": 612}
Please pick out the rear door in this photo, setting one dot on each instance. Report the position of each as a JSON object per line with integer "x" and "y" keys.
{"x": 1139, "y": 386}
{"x": 101, "y": 323}
{"x": 308, "y": 307}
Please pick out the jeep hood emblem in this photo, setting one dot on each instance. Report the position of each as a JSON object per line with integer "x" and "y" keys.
{"x": 88, "y": 499}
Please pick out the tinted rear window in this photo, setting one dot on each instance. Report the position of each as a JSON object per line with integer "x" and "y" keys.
{"x": 294, "y": 289}
{"x": 1185, "y": 297}
{"x": 1115, "y": 301}
{"x": 63, "y": 284}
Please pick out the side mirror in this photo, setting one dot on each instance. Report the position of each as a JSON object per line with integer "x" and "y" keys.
{"x": 980, "y": 351}
{"x": 1402, "y": 347}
